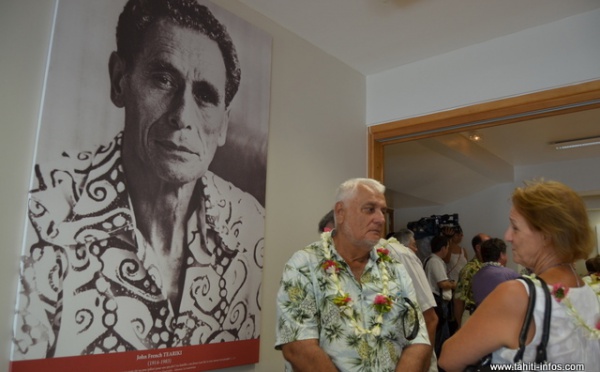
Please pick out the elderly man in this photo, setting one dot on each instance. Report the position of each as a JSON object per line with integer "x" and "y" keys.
{"x": 344, "y": 304}
{"x": 137, "y": 245}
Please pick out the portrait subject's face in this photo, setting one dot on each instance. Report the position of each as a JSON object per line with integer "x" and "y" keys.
{"x": 174, "y": 100}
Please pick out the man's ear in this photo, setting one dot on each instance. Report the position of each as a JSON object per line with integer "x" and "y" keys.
{"x": 339, "y": 212}
{"x": 223, "y": 129}
{"x": 116, "y": 71}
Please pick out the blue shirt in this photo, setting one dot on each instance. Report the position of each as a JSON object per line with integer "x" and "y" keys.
{"x": 488, "y": 278}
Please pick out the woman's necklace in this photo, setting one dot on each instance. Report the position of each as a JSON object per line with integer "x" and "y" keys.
{"x": 382, "y": 302}
{"x": 552, "y": 267}
{"x": 577, "y": 279}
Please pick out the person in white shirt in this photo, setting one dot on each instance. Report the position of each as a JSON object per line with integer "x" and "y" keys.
{"x": 404, "y": 249}
{"x": 441, "y": 286}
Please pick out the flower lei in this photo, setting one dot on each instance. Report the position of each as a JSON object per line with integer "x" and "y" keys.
{"x": 492, "y": 263}
{"x": 382, "y": 302}
{"x": 560, "y": 294}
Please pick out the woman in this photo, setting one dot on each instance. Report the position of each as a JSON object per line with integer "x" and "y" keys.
{"x": 457, "y": 255}
{"x": 548, "y": 231}
{"x": 455, "y": 259}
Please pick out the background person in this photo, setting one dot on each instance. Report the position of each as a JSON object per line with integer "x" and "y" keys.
{"x": 592, "y": 265}
{"x": 456, "y": 257}
{"x": 140, "y": 225}
{"x": 549, "y": 230}
{"x": 593, "y": 278}
{"x": 456, "y": 260}
{"x": 464, "y": 303}
{"x": 435, "y": 269}
{"x": 405, "y": 251}
{"x": 342, "y": 302}
{"x": 327, "y": 223}
{"x": 493, "y": 270}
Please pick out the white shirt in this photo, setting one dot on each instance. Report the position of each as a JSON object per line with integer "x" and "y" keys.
{"x": 415, "y": 270}
{"x": 568, "y": 342}
{"x": 414, "y": 267}
{"x": 435, "y": 270}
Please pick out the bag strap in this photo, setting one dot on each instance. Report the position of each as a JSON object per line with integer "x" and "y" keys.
{"x": 527, "y": 321}
{"x": 425, "y": 263}
{"x": 541, "y": 356}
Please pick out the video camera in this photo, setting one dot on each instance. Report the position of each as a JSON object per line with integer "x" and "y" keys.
{"x": 433, "y": 225}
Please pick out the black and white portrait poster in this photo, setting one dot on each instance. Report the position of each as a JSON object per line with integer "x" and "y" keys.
{"x": 144, "y": 242}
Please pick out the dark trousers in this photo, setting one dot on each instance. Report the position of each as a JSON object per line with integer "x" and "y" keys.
{"x": 442, "y": 332}
{"x": 452, "y": 324}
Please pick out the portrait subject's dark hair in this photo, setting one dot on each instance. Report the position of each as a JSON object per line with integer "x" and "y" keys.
{"x": 139, "y": 15}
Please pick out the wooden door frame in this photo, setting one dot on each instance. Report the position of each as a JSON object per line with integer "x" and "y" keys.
{"x": 563, "y": 100}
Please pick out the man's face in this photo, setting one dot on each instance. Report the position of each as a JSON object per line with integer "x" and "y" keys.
{"x": 175, "y": 114}
{"x": 483, "y": 237}
{"x": 444, "y": 253}
{"x": 503, "y": 259}
{"x": 362, "y": 218}
{"x": 412, "y": 244}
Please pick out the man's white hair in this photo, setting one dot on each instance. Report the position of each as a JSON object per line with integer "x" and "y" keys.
{"x": 404, "y": 236}
{"x": 348, "y": 188}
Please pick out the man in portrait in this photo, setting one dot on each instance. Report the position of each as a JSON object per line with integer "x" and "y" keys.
{"x": 136, "y": 244}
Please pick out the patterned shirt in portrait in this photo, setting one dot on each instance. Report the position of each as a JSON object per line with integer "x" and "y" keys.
{"x": 90, "y": 282}
{"x": 464, "y": 288}
{"x": 306, "y": 309}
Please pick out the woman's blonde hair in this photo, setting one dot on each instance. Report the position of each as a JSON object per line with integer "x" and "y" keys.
{"x": 559, "y": 213}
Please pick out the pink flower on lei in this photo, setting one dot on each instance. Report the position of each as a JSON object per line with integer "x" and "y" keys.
{"x": 331, "y": 267}
{"x": 559, "y": 291}
{"x": 382, "y": 303}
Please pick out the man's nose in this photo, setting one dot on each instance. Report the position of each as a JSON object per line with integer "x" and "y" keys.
{"x": 183, "y": 110}
{"x": 380, "y": 216}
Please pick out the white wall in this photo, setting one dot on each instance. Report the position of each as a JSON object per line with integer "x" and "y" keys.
{"x": 544, "y": 57}
{"x": 24, "y": 35}
{"x": 317, "y": 139}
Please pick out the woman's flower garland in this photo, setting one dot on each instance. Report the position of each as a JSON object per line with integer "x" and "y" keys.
{"x": 560, "y": 294}
{"x": 382, "y": 302}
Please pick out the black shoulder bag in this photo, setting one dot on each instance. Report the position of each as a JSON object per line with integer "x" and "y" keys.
{"x": 540, "y": 356}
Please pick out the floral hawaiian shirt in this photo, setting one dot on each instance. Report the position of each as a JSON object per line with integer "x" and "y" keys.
{"x": 350, "y": 326}
{"x": 90, "y": 282}
{"x": 464, "y": 288}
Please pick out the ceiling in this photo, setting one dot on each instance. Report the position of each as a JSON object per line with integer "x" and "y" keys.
{"x": 443, "y": 169}
{"x": 377, "y": 35}
{"x": 372, "y": 36}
